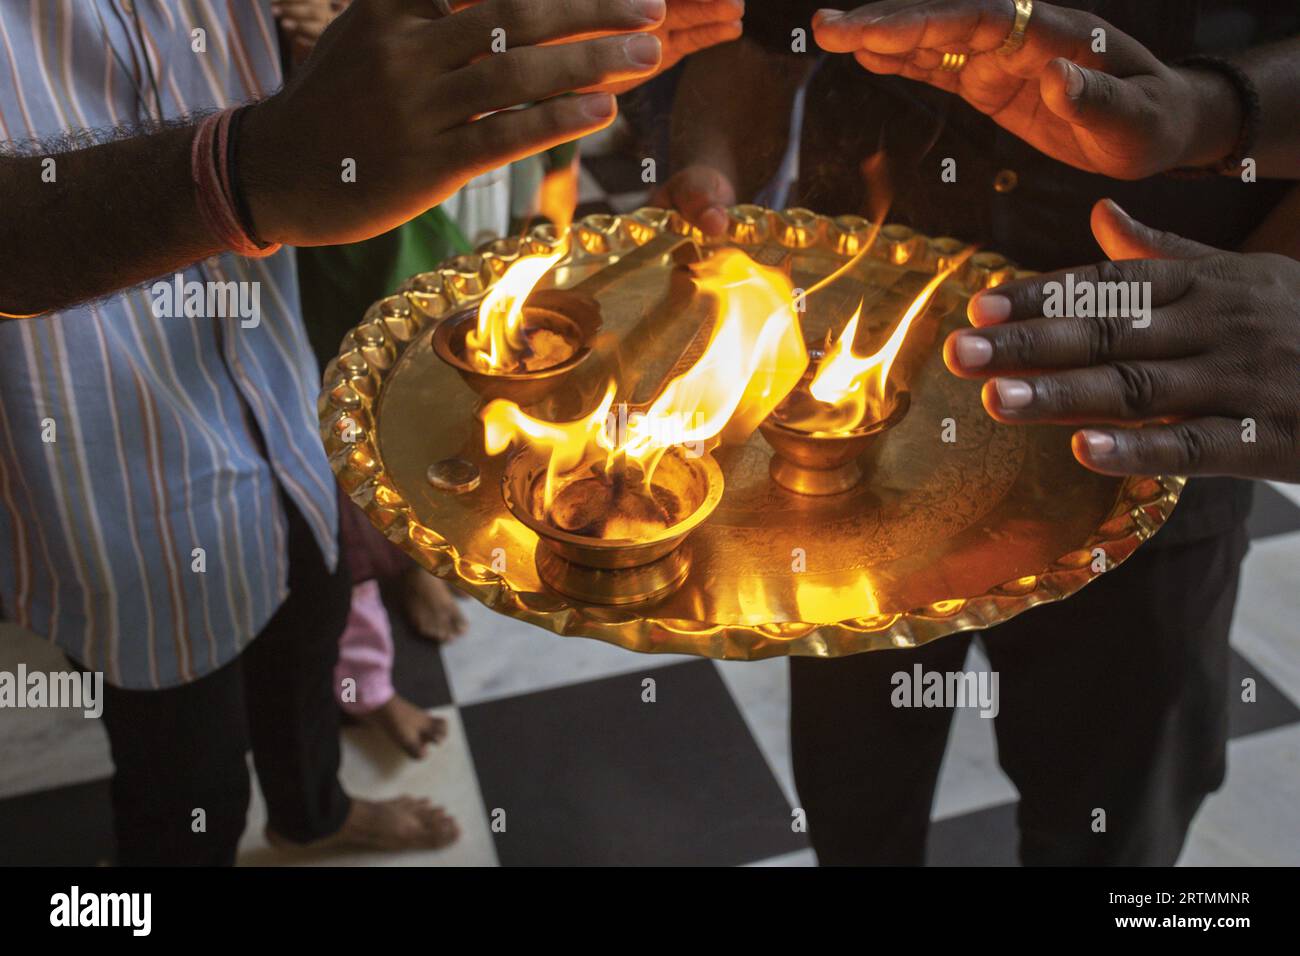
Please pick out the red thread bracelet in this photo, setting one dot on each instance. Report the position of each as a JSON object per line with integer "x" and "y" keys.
{"x": 210, "y": 171}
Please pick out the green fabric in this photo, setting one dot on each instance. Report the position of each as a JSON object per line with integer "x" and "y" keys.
{"x": 560, "y": 156}
{"x": 340, "y": 282}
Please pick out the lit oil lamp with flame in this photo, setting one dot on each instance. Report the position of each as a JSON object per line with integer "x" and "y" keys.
{"x": 829, "y": 431}
{"x": 613, "y": 498}
{"x": 518, "y": 343}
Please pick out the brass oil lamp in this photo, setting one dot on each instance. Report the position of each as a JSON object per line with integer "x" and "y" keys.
{"x": 612, "y": 538}
{"x": 556, "y": 332}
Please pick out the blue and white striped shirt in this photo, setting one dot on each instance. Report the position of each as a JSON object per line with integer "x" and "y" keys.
{"x": 154, "y": 422}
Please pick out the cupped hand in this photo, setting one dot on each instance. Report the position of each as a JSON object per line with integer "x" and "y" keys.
{"x": 399, "y": 106}
{"x": 1121, "y": 112}
{"x": 1206, "y": 380}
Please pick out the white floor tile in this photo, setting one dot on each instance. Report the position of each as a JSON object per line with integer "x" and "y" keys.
{"x": 41, "y": 749}
{"x": 1290, "y": 490}
{"x": 797, "y": 858}
{"x": 1266, "y": 625}
{"x": 374, "y": 768}
{"x": 501, "y": 657}
{"x": 1254, "y": 819}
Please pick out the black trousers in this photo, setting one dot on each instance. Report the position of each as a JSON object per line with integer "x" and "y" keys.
{"x": 181, "y": 750}
{"x": 1114, "y": 699}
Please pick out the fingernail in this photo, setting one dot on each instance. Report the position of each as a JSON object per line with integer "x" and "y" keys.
{"x": 1073, "y": 81}
{"x": 987, "y": 309}
{"x": 643, "y": 50}
{"x": 973, "y": 351}
{"x": 1013, "y": 393}
{"x": 828, "y": 15}
{"x": 598, "y": 106}
{"x": 652, "y": 10}
{"x": 1119, "y": 209}
{"x": 1100, "y": 444}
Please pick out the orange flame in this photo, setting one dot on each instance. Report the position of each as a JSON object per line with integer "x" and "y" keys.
{"x": 571, "y": 444}
{"x": 851, "y": 385}
{"x": 754, "y": 357}
{"x": 497, "y": 342}
{"x": 558, "y": 196}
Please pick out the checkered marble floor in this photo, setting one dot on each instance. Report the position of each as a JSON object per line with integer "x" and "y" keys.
{"x": 551, "y": 735}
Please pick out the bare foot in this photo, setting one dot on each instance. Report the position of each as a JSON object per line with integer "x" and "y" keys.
{"x": 406, "y": 725}
{"x": 430, "y": 607}
{"x": 403, "y": 823}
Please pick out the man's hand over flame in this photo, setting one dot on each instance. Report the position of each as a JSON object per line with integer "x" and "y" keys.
{"x": 1209, "y": 373}
{"x": 1079, "y": 90}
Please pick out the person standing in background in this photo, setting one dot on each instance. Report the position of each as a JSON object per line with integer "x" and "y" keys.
{"x": 1115, "y": 698}
{"x": 167, "y": 514}
{"x": 339, "y": 282}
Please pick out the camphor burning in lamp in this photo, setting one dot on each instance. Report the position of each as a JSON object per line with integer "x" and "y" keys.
{"x": 829, "y": 431}
{"x": 518, "y": 344}
{"x": 612, "y": 506}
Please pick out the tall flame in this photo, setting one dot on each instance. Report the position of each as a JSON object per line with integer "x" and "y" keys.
{"x": 558, "y": 196}
{"x": 851, "y": 385}
{"x": 571, "y": 444}
{"x": 754, "y": 357}
{"x": 497, "y": 342}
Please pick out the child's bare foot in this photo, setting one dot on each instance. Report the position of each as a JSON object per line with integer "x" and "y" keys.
{"x": 406, "y": 725}
{"x": 430, "y": 607}
{"x": 403, "y": 823}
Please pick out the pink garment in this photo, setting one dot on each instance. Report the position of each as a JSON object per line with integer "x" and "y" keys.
{"x": 365, "y": 653}
{"x": 368, "y": 553}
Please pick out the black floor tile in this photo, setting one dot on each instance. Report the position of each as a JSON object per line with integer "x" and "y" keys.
{"x": 591, "y": 774}
{"x": 66, "y": 826}
{"x": 1272, "y": 513}
{"x": 1271, "y": 707}
{"x": 986, "y": 837}
{"x": 418, "y": 674}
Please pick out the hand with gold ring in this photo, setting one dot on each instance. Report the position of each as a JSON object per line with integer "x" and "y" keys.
{"x": 1065, "y": 81}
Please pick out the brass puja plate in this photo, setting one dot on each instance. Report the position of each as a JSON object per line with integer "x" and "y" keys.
{"x": 960, "y": 522}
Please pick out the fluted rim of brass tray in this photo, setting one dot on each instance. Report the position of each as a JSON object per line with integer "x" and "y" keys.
{"x": 353, "y": 381}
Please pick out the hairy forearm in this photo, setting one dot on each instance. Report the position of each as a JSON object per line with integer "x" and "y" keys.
{"x": 732, "y": 112}
{"x": 96, "y": 219}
